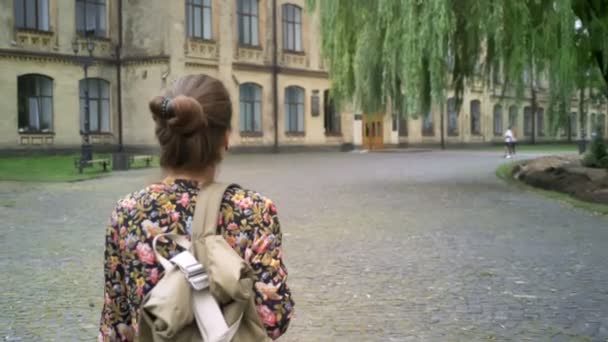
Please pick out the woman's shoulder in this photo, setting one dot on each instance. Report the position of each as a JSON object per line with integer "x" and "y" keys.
{"x": 245, "y": 199}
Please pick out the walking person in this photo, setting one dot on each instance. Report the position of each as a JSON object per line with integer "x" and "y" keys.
{"x": 513, "y": 140}
{"x": 509, "y": 143}
{"x": 193, "y": 122}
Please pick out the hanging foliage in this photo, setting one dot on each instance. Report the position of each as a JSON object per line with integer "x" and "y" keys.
{"x": 387, "y": 49}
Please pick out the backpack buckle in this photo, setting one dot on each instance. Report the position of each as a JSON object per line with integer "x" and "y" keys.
{"x": 192, "y": 269}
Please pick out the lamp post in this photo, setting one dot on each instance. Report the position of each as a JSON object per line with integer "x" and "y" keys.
{"x": 86, "y": 150}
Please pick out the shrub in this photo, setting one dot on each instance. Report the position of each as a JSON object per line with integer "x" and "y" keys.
{"x": 603, "y": 163}
{"x": 597, "y": 155}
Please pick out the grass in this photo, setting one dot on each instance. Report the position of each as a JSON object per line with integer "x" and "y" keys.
{"x": 504, "y": 172}
{"x": 54, "y": 168}
{"x": 572, "y": 147}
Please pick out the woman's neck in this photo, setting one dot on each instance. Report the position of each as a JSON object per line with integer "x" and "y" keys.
{"x": 202, "y": 177}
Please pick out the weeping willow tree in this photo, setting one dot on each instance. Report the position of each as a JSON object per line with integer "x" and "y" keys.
{"x": 420, "y": 49}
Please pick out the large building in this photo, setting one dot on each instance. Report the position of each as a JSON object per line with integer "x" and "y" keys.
{"x": 485, "y": 113}
{"x": 279, "y": 91}
{"x": 140, "y": 47}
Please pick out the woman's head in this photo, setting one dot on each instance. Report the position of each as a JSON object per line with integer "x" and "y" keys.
{"x": 192, "y": 123}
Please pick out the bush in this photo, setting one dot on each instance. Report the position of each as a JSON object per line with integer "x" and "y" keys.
{"x": 597, "y": 155}
{"x": 603, "y": 163}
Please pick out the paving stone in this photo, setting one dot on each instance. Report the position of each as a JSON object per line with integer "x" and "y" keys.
{"x": 380, "y": 247}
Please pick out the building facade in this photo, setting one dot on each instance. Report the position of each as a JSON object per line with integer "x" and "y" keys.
{"x": 140, "y": 47}
{"x": 484, "y": 115}
{"x": 280, "y": 96}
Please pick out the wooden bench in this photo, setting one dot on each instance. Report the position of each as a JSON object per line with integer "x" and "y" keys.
{"x": 80, "y": 165}
{"x": 144, "y": 157}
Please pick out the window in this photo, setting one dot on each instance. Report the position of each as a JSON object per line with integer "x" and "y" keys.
{"x": 513, "y": 117}
{"x": 403, "y": 126}
{"x": 526, "y": 75}
{"x": 601, "y": 124}
{"x": 332, "y": 117}
{"x": 98, "y": 93}
{"x": 428, "y": 128}
{"x": 247, "y": 13}
{"x": 496, "y": 74}
{"x": 32, "y": 14}
{"x": 498, "y": 120}
{"x": 528, "y": 121}
{"x": 294, "y": 110}
{"x": 540, "y": 122}
{"x": 91, "y": 17}
{"x": 475, "y": 117}
{"x": 35, "y": 103}
{"x": 452, "y": 117}
{"x": 198, "y": 18}
{"x": 292, "y": 28}
{"x": 250, "y": 96}
{"x": 572, "y": 119}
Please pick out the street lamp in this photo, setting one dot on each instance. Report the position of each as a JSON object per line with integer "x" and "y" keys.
{"x": 86, "y": 150}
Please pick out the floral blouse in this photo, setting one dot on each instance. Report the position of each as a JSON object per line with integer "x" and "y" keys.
{"x": 248, "y": 221}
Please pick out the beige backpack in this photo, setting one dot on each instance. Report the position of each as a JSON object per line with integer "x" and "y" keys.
{"x": 206, "y": 293}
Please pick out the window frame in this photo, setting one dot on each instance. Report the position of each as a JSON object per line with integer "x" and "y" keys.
{"x": 100, "y": 6}
{"x": 475, "y": 117}
{"x": 22, "y": 101}
{"x": 452, "y": 113}
{"x": 252, "y": 101}
{"x": 540, "y": 122}
{"x": 99, "y": 99}
{"x": 38, "y": 17}
{"x": 428, "y": 130}
{"x": 191, "y": 6}
{"x": 528, "y": 119}
{"x": 513, "y": 116}
{"x": 286, "y": 23}
{"x": 289, "y": 105}
{"x": 497, "y": 125}
{"x": 241, "y": 14}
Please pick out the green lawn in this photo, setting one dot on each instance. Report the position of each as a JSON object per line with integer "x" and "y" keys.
{"x": 53, "y": 168}
{"x": 573, "y": 147}
{"x": 504, "y": 172}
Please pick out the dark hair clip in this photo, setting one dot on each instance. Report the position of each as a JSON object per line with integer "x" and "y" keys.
{"x": 164, "y": 107}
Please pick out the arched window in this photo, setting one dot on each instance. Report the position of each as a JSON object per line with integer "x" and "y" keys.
{"x": 198, "y": 19}
{"x": 513, "y": 117}
{"x": 32, "y": 14}
{"x": 497, "y": 120}
{"x": 475, "y": 117}
{"x": 250, "y": 97}
{"x": 95, "y": 118}
{"x": 292, "y": 28}
{"x": 35, "y": 103}
{"x": 540, "y": 121}
{"x": 601, "y": 124}
{"x": 294, "y": 109}
{"x": 452, "y": 117}
{"x": 428, "y": 128}
{"x": 528, "y": 121}
{"x": 573, "y": 127}
{"x": 247, "y": 12}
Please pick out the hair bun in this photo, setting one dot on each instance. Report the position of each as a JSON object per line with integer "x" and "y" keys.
{"x": 183, "y": 114}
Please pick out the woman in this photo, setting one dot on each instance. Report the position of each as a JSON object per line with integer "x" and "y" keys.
{"x": 192, "y": 126}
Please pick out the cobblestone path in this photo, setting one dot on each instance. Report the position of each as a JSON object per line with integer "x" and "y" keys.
{"x": 380, "y": 247}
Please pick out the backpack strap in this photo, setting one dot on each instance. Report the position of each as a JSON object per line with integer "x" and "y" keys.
{"x": 206, "y": 213}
